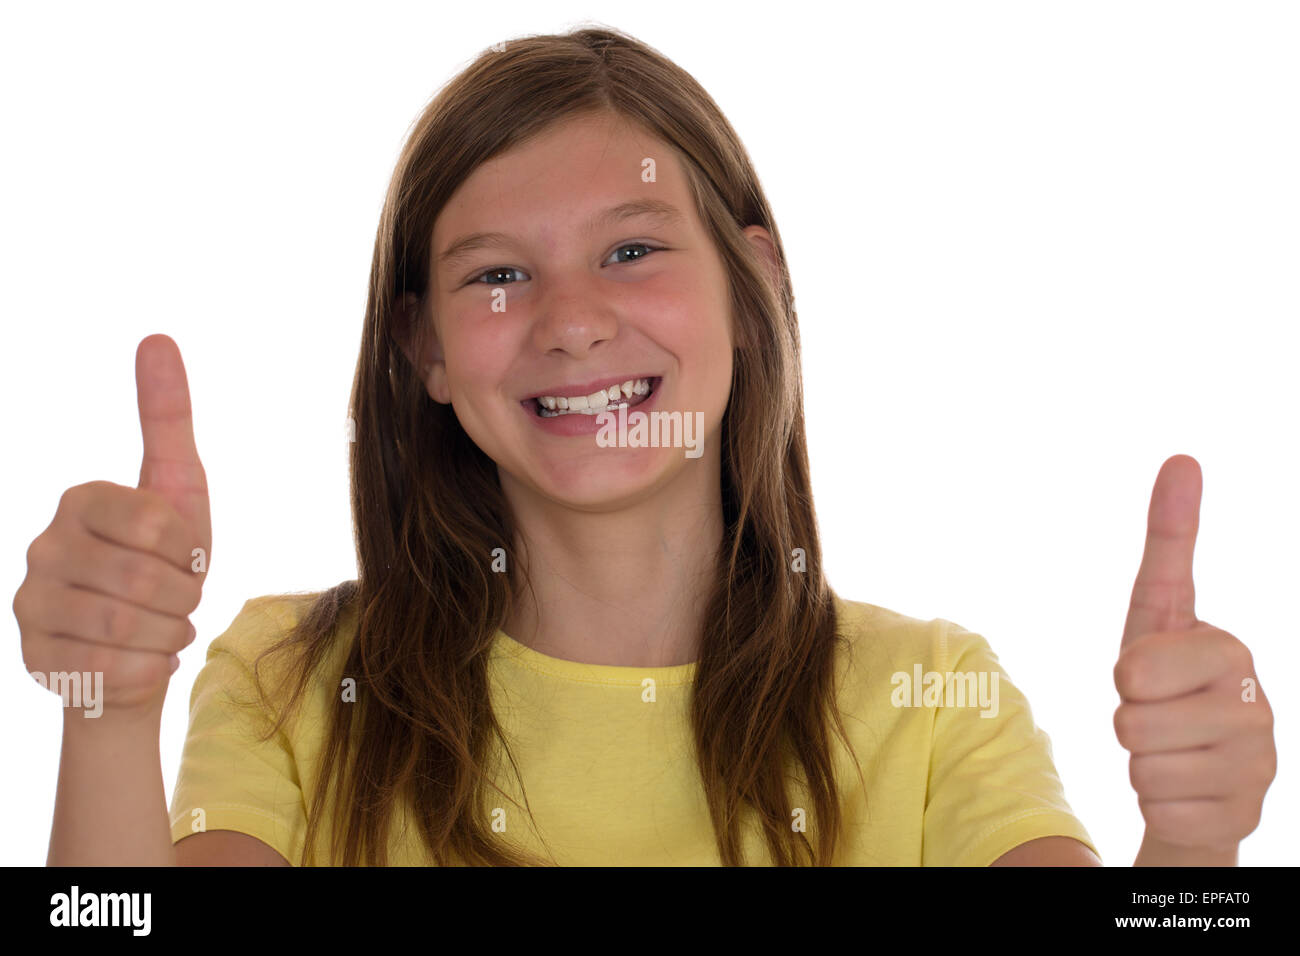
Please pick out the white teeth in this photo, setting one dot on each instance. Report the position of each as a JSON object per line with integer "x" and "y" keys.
{"x": 596, "y": 402}
{"x": 613, "y": 393}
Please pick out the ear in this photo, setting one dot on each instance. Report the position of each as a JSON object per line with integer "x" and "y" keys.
{"x": 417, "y": 335}
{"x": 761, "y": 240}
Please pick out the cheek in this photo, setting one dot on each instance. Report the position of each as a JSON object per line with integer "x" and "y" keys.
{"x": 700, "y": 339}
{"x": 690, "y": 314}
{"x": 475, "y": 348}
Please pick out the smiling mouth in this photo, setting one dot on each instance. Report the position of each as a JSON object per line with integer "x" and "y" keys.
{"x": 592, "y": 404}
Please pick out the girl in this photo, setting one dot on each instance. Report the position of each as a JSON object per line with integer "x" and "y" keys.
{"x": 576, "y": 636}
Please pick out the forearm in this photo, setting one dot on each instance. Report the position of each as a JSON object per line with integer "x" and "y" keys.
{"x": 111, "y": 806}
{"x": 1155, "y": 852}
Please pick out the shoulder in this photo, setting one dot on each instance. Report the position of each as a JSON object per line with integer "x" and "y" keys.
{"x": 253, "y": 651}
{"x": 877, "y": 637}
{"x": 262, "y": 623}
{"x": 861, "y": 622}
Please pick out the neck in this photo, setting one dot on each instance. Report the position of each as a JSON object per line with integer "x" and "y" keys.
{"x": 623, "y": 588}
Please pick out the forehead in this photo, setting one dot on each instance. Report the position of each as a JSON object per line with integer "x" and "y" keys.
{"x": 576, "y": 167}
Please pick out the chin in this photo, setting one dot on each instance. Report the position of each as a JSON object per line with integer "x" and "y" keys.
{"x": 607, "y": 478}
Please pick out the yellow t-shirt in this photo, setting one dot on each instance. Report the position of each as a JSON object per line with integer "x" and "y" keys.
{"x": 953, "y": 778}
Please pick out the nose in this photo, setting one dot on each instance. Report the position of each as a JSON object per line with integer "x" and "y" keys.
{"x": 573, "y": 315}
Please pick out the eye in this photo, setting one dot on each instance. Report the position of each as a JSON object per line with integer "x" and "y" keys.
{"x": 636, "y": 245}
{"x": 494, "y": 271}
{"x": 500, "y": 270}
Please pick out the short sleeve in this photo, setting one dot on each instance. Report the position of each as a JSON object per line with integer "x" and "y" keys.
{"x": 992, "y": 784}
{"x": 229, "y": 778}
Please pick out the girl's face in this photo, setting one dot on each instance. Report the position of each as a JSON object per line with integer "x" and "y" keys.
{"x": 561, "y": 302}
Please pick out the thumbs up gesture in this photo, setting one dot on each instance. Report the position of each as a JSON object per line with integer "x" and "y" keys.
{"x": 170, "y": 465}
{"x": 1192, "y": 714}
{"x": 111, "y": 582}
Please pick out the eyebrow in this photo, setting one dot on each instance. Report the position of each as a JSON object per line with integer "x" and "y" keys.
{"x": 665, "y": 212}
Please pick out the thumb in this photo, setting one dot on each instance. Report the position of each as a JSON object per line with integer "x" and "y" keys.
{"x": 171, "y": 465}
{"x": 1164, "y": 596}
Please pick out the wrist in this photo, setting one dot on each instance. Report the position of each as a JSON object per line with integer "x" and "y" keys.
{"x": 113, "y": 721}
{"x": 1157, "y": 852}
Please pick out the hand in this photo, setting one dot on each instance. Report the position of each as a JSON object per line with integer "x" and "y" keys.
{"x": 1192, "y": 713}
{"x": 112, "y": 580}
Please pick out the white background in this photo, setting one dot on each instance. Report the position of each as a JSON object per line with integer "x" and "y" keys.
{"x": 1037, "y": 247}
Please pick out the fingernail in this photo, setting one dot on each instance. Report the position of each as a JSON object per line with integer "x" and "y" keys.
{"x": 176, "y": 662}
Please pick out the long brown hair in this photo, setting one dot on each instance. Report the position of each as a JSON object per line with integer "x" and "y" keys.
{"x": 428, "y": 506}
